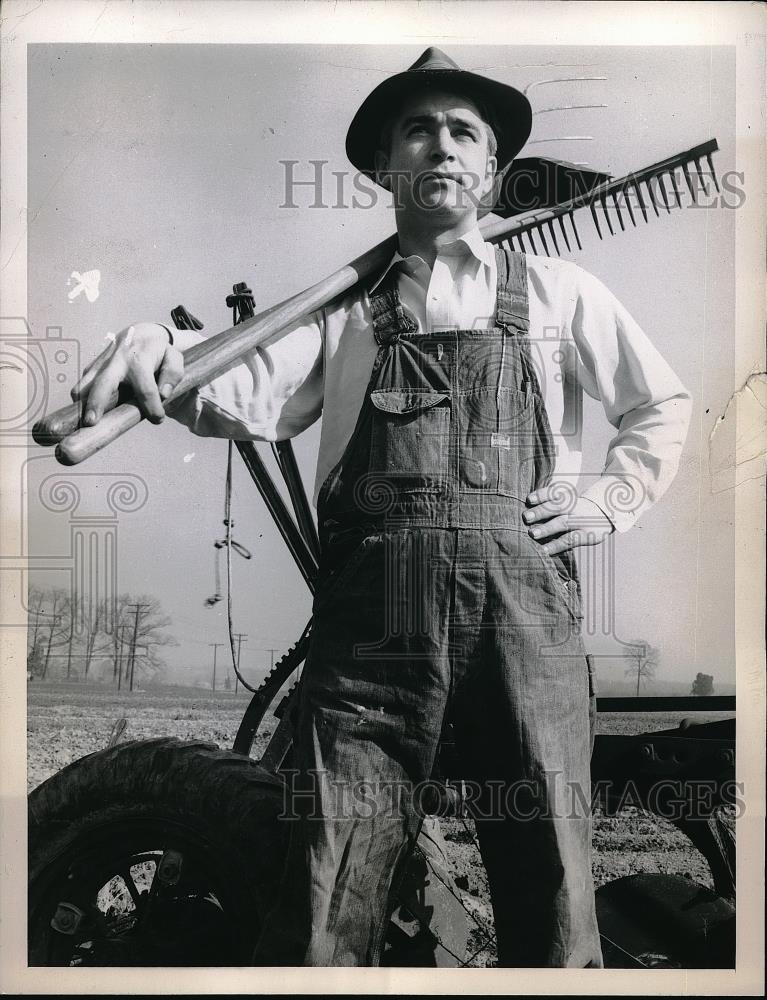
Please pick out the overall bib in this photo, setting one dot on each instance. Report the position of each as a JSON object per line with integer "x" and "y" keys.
{"x": 434, "y": 599}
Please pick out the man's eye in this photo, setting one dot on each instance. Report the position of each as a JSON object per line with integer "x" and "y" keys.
{"x": 466, "y": 132}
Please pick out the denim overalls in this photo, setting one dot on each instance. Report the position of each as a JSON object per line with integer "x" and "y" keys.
{"x": 433, "y": 599}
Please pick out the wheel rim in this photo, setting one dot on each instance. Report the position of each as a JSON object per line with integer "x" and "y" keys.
{"x": 138, "y": 892}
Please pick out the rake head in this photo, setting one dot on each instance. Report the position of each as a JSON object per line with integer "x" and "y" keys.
{"x": 555, "y": 190}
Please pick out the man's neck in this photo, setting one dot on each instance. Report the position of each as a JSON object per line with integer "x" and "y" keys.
{"x": 426, "y": 243}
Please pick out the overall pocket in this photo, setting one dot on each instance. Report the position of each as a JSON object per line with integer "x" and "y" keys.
{"x": 409, "y": 440}
{"x": 517, "y": 440}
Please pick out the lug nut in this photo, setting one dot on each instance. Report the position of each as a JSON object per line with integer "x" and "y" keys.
{"x": 67, "y": 918}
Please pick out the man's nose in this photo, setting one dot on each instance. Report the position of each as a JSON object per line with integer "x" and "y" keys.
{"x": 442, "y": 146}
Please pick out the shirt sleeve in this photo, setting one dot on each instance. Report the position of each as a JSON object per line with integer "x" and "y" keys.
{"x": 276, "y": 393}
{"x": 642, "y": 398}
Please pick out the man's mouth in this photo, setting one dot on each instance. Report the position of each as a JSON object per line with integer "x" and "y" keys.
{"x": 443, "y": 178}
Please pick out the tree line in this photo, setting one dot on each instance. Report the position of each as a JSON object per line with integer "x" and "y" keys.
{"x": 70, "y": 637}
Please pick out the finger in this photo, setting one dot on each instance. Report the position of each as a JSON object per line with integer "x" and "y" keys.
{"x": 147, "y": 394}
{"x": 103, "y": 393}
{"x": 558, "y": 494}
{"x": 171, "y": 371}
{"x": 569, "y": 540}
{"x": 541, "y": 512}
{"x": 547, "y": 529}
{"x": 91, "y": 370}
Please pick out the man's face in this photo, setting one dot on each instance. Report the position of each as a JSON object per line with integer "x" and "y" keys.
{"x": 439, "y": 163}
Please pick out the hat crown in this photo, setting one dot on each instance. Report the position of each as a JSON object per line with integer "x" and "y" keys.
{"x": 434, "y": 59}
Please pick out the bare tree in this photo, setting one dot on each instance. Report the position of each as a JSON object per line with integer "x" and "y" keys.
{"x": 65, "y": 629}
{"x": 645, "y": 661}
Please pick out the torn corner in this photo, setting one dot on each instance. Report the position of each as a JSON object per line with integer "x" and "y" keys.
{"x": 737, "y": 444}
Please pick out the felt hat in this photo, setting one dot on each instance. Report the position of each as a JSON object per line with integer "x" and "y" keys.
{"x": 509, "y": 109}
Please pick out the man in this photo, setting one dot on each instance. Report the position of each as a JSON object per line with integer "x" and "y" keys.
{"x": 450, "y": 447}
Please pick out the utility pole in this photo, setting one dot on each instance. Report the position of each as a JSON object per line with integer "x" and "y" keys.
{"x": 272, "y": 652}
{"x": 138, "y": 609}
{"x": 239, "y": 636}
{"x": 215, "y": 646}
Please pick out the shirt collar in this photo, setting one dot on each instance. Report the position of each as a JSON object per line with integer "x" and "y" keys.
{"x": 470, "y": 244}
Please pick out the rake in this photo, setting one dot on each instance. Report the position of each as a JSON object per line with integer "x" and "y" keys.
{"x": 206, "y": 361}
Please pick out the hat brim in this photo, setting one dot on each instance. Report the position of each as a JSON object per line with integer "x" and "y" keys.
{"x": 509, "y": 108}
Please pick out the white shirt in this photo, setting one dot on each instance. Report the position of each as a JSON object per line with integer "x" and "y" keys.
{"x": 583, "y": 339}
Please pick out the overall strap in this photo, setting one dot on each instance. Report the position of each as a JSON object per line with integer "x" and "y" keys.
{"x": 389, "y": 319}
{"x": 512, "y": 307}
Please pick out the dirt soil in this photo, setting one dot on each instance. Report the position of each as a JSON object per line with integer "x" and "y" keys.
{"x": 67, "y": 721}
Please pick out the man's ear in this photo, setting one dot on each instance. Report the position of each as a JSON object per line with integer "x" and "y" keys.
{"x": 382, "y": 165}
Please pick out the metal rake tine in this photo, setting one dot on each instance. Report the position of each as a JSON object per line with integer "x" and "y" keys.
{"x": 662, "y": 187}
{"x": 688, "y": 179}
{"x": 653, "y": 202}
{"x": 672, "y": 178}
{"x": 575, "y": 230}
{"x": 521, "y": 242}
{"x": 532, "y": 241}
{"x": 543, "y": 240}
{"x": 553, "y": 234}
{"x": 618, "y": 211}
{"x": 700, "y": 174}
{"x": 594, "y": 217}
{"x": 713, "y": 173}
{"x": 564, "y": 231}
{"x": 628, "y": 206}
{"x": 640, "y": 199}
{"x": 603, "y": 201}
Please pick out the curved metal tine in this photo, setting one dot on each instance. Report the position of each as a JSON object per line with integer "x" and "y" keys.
{"x": 575, "y": 230}
{"x": 618, "y": 211}
{"x": 603, "y": 200}
{"x": 672, "y": 178}
{"x": 543, "y": 240}
{"x": 653, "y": 202}
{"x": 699, "y": 169}
{"x": 688, "y": 180}
{"x": 553, "y": 235}
{"x": 594, "y": 217}
{"x": 713, "y": 173}
{"x": 662, "y": 187}
{"x": 529, "y": 234}
{"x": 625, "y": 191}
{"x": 561, "y": 222}
{"x": 640, "y": 200}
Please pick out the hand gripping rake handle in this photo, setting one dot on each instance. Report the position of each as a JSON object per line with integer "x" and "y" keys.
{"x": 208, "y": 360}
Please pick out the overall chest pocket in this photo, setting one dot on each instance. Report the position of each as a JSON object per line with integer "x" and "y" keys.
{"x": 409, "y": 440}
{"x": 524, "y": 445}
{"x": 497, "y": 441}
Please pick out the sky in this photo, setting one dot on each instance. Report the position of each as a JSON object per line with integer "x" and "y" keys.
{"x": 160, "y": 166}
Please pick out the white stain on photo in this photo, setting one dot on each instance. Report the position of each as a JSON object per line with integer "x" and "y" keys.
{"x": 87, "y": 282}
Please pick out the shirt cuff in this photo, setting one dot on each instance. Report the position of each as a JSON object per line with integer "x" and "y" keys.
{"x": 620, "y": 499}
{"x": 184, "y": 339}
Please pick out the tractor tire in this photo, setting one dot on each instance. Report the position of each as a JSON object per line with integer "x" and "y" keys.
{"x": 156, "y": 852}
{"x": 170, "y": 853}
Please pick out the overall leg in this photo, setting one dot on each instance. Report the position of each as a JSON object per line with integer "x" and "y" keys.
{"x": 373, "y": 691}
{"x": 524, "y": 730}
